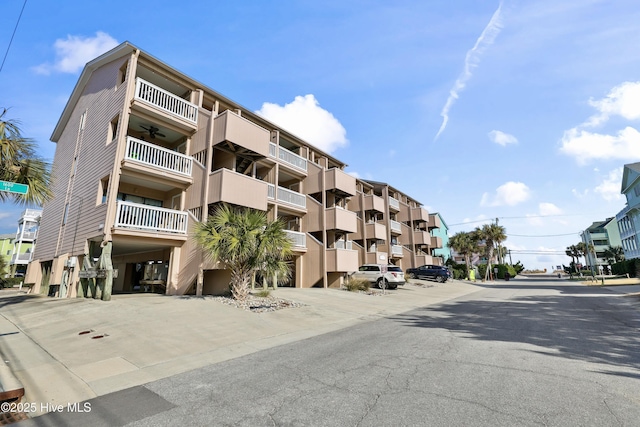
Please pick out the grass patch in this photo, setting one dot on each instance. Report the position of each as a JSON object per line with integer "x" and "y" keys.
{"x": 264, "y": 293}
{"x": 356, "y": 285}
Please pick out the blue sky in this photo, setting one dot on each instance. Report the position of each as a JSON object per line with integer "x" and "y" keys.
{"x": 519, "y": 110}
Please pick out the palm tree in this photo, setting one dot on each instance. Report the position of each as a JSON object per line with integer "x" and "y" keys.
{"x": 614, "y": 254}
{"x": 19, "y": 163}
{"x": 574, "y": 253}
{"x": 246, "y": 242}
{"x": 492, "y": 234}
{"x": 465, "y": 244}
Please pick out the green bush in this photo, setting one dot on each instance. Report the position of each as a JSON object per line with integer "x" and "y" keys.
{"x": 11, "y": 282}
{"x": 264, "y": 293}
{"x": 629, "y": 266}
{"x": 355, "y": 285}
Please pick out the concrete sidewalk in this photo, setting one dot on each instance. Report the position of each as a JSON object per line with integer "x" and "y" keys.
{"x": 135, "y": 339}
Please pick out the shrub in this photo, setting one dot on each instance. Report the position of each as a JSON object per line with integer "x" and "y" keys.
{"x": 264, "y": 293}
{"x": 355, "y": 285}
{"x": 11, "y": 282}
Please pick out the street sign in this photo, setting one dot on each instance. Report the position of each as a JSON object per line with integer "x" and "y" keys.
{"x": 14, "y": 187}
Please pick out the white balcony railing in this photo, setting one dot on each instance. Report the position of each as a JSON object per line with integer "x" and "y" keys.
{"x": 160, "y": 157}
{"x": 166, "y": 101}
{"x": 271, "y": 191}
{"x": 27, "y": 235}
{"x": 21, "y": 258}
{"x": 394, "y": 203}
{"x": 395, "y": 226}
{"x": 290, "y": 197}
{"x": 396, "y": 249}
{"x": 288, "y": 157}
{"x": 342, "y": 244}
{"x": 151, "y": 218}
{"x": 299, "y": 239}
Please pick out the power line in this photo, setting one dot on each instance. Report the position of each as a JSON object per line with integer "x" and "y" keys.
{"x": 511, "y": 217}
{"x": 12, "y": 35}
{"x": 543, "y": 235}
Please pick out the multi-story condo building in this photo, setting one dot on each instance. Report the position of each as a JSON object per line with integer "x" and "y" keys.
{"x": 25, "y": 240}
{"x": 602, "y": 235}
{"x": 393, "y": 227}
{"x": 628, "y": 219}
{"x": 145, "y": 152}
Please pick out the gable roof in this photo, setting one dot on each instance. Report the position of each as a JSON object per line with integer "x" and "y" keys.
{"x": 630, "y": 174}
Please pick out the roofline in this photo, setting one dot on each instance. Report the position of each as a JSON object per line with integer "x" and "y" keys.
{"x": 127, "y": 48}
{"x": 372, "y": 182}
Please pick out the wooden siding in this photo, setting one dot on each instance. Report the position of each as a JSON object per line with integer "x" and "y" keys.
{"x": 102, "y": 102}
{"x": 201, "y": 137}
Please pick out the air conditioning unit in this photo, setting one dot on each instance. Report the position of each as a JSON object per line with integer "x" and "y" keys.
{"x": 71, "y": 262}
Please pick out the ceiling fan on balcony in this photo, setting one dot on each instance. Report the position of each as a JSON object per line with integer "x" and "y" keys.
{"x": 153, "y": 131}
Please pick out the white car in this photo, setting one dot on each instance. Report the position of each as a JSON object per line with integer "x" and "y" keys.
{"x": 372, "y": 273}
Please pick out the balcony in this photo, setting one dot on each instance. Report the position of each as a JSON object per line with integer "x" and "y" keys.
{"x": 396, "y": 251}
{"x": 373, "y": 203}
{"x": 341, "y": 219}
{"x": 158, "y": 163}
{"x": 423, "y": 259}
{"x": 395, "y": 226}
{"x": 27, "y": 235}
{"x": 20, "y": 258}
{"x": 289, "y": 197}
{"x": 299, "y": 239}
{"x": 436, "y": 242}
{"x": 340, "y": 181}
{"x": 434, "y": 222}
{"x": 150, "y": 218}
{"x": 231, "y": 187}
{"x": 241, "y": 135}
{"x": 419, "y": 214}
{"x": 342, "y": 260}
{"x": 394, "y": 204}
{"x": 375, "y": 230}
{"x": 288, "y": 157}
{"x": 165, "y": 104}
{"x": 421, "y": 237}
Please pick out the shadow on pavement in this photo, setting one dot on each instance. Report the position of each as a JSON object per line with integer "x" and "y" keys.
{"x": 585, "y": 327}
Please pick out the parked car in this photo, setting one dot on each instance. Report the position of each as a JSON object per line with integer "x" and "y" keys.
{"x": 434, "y": 272}
{"x": 393, "y": 278}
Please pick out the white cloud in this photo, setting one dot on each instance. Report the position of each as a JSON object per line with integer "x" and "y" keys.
{"x": 547, "y": 209}
{"x": 609, "y": 189}
{"x": 585, "y": 146}
{"x": 471, "y": 61}
{"x": 305, "y": 118}
{"x": 502, "y": 138}
{"x": 544, "y": 209}
{"x": 74, "y": 52}
{"x": 354, "y": 174}
{"x": 623, "y": 100}
{"x": 4, "y": 215}
{"x": 508, "y": 194}
{"x": 580, "y": 195}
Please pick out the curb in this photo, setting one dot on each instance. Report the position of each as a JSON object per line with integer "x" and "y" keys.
{"x": 10, "y": 387}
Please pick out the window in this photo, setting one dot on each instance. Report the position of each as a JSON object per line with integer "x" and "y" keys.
{"x": 122, "y": 75}
{"x": 66, "y": 213}
{"x": 103, "y": 189}
{"x": 112, "y": 133}
{"x": 140, "y": 200}
{"x": 83, "y": 119}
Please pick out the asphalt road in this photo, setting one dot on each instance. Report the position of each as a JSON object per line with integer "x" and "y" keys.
{"x": 523, "y": 352}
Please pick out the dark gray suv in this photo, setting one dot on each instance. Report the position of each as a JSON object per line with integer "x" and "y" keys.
{"x": 434, "y": 272}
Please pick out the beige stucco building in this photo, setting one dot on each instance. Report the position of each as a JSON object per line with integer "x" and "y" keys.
{"x": 145, "y": 152}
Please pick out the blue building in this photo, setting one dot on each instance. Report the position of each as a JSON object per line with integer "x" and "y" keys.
{"x": 629, "y": 218}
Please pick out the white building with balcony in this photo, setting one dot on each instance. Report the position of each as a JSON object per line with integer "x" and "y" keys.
{"x": 25, "y": 241}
